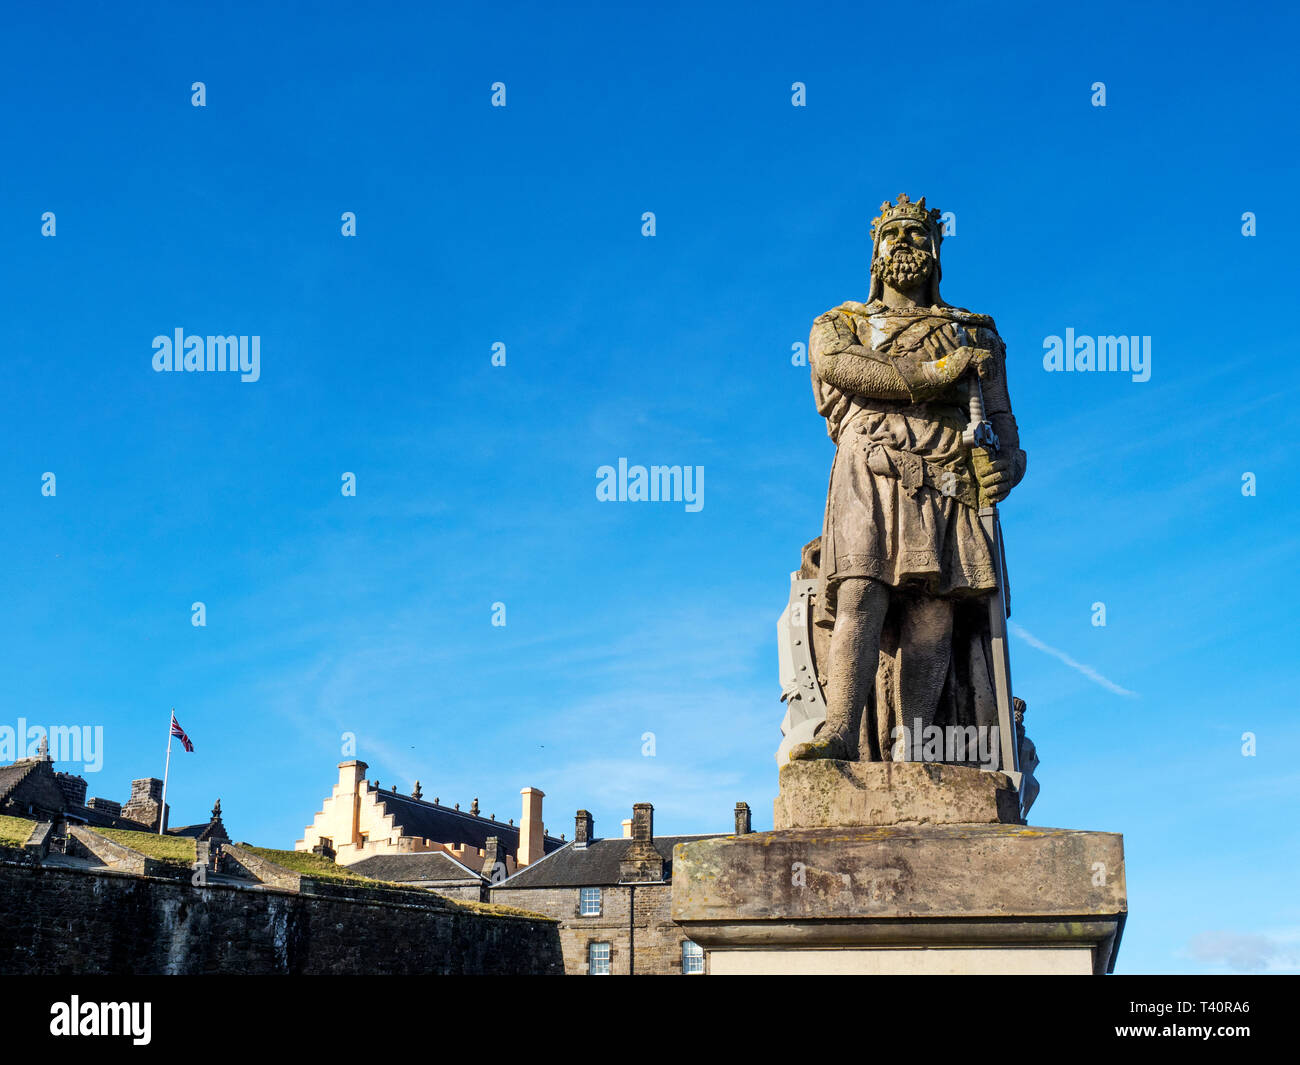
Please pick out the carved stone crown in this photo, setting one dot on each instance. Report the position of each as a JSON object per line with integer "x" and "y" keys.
{"x": 905, "y": 208}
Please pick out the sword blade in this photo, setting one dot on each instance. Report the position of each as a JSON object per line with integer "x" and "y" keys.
{"x": 1001, "y": 653}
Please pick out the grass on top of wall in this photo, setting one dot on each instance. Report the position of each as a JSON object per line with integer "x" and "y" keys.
{"x": 15, "y": 830}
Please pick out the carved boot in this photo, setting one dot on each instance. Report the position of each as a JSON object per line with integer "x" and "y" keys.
{"x": 826, "y": 744}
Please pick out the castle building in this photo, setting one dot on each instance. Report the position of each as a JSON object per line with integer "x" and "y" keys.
{"x": 613, "y": 898}
{"x": 30, "y": 787}
{"x": 361, "y": 820}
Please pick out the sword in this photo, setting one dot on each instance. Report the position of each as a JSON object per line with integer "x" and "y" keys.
{"x": 980, "y": 437}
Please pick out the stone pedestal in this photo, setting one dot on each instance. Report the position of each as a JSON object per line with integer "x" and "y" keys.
{"x": 828, "y": 793}
{"x": 923, "y": 894}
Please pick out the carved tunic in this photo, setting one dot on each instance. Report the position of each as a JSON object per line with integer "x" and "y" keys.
{"x": 903, "y": 501}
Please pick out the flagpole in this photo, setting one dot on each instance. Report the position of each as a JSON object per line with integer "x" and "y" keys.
{"x": 162, "y": 812}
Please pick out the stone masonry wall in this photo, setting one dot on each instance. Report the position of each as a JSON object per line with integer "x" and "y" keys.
{"x": 658, "y": 939}
{"x": 468, "y": 892}
{"x": 72, "y": 921}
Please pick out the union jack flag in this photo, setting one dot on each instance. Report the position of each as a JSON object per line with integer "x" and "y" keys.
{"x": 179, "y": 733}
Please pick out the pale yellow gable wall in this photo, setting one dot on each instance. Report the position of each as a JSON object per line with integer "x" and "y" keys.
{"x": 352, "y": 795}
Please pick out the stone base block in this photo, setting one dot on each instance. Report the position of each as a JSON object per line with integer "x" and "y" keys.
{"x": 905, "y": 899}
{"x": 827, "y": 793}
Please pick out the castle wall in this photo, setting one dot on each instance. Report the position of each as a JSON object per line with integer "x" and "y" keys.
{"x": 72, "y": 921}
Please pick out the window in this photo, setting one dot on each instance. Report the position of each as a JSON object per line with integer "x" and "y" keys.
{"x": 692, "y": 958}
{"x": 598, "y": 959}
{"x": 589, "y": 902}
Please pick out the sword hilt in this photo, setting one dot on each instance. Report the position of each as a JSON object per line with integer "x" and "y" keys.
{"x": 979, "y": 432}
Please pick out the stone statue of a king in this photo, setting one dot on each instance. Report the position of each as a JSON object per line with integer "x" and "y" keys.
{"x": 913, "y": 391}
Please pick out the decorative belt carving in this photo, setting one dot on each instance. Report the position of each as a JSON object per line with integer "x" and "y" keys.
{"x": 914, "y": 472}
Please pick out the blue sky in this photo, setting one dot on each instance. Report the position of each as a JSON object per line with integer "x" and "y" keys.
{"x": 476, "y": 484}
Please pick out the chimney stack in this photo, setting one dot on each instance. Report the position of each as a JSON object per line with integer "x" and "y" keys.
{"x": 643, "y": 822}
{"x": 74, "y": 788}
{"x": 627, "y": 828}
{"x": 352, "y": 782}
{"x": 642, "y": 863}
{"x": 743, "y": 824}
{"x": 145, "y": 805}
{"x": 583, "y": 829}
{"x": 494, "y": 861}
{"x": 531, "y": 830}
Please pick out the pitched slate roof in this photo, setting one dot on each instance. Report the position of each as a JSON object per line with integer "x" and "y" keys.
{"x": 34, "y": 780}
{"x": 595, "y": 865}
{"x": 426, "y": 820}
{"x": 405, "y": 868}
{"x": 103, "y": 819}
{"x": 208, "y": 830}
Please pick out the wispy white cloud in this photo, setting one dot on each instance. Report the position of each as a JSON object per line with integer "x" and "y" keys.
{"x": 1079, "y": 667}
{"x": 1249, "y": 952}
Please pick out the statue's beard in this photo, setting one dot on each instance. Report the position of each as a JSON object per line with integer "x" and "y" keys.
{"x": 904, "y": 267}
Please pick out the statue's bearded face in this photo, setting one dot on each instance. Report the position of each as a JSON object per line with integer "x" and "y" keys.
{"x": 903, "y": 258}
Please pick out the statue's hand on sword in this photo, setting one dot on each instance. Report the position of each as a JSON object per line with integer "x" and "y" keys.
{"x": 995, "y": 478}
{"x": 994, "y": 470}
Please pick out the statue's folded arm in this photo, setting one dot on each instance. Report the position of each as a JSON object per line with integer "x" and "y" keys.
{"x": 839, "y": 360}
{"x": 857, "y": 371}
